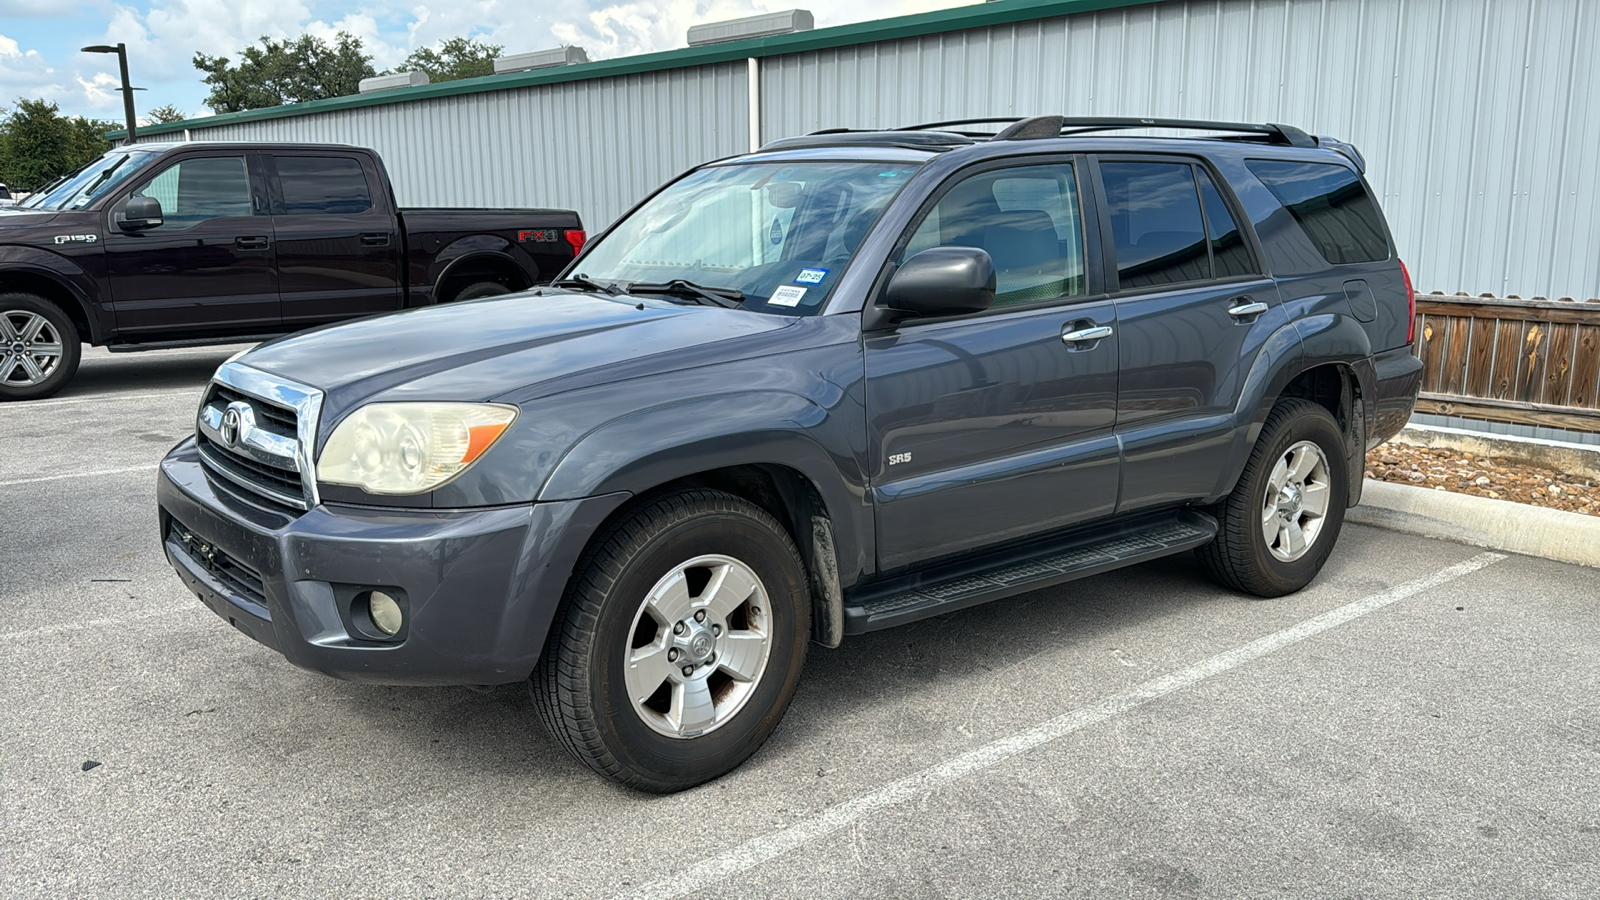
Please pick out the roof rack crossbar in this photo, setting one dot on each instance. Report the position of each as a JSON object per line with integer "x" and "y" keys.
{"x": 1071, "y": 125}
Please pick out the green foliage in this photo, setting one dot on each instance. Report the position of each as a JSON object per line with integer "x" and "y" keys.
{"x": 458, "y": 57}
{"x": 280, "y": 72}
{"x": 161, "y": 115}
{"x": 37, "y": 143}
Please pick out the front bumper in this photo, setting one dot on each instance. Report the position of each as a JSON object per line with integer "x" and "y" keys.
{"x": 480, "y": 587}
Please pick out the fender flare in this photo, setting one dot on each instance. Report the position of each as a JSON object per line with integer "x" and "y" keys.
{"x": 61, "y": 271}
{"x": 1295, "y": 348}
{"x": 638, "y": 452}
{"x": 481, "y": 247}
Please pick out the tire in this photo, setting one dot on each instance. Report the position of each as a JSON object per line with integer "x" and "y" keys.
{"x": 39, "y": 347}
{"x": 480, "y": 289}
{"x": 636, "y": 595}
{"x": 1296, "y": 485}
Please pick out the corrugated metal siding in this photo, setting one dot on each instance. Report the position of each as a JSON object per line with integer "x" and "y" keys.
{"x": 1478, "y": 117}
{"x": 593, "y": 146}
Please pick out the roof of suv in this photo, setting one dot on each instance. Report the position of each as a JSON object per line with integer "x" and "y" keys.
{"x": 941, "y": 137}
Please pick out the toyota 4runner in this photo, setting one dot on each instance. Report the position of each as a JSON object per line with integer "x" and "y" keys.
{"x": 851, "y": 380}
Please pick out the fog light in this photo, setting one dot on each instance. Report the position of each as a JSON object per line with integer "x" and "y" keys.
{"x": 385, "y": 612}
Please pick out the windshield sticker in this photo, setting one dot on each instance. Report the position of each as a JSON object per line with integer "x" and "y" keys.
{"x": 788, "y": 295}
{"x": 777, "y": 232}
{"x": 811, "y": 276}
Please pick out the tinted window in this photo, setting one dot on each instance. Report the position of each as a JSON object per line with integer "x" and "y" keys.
{"x": 4, "y": 194}
{"x": 322, "y": 185}
{"x": 1026, "y": 218}
{"x": 1156, "y": 223}
{"x": 194, "y": 190}
{"x": 1331, "y": 204}
{"x": 1229, "y": 255}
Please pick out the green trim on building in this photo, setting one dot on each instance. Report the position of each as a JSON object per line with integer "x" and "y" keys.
{"x": 979, "y": 15}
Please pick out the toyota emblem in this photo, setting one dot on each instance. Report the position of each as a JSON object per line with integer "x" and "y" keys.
{"x": 230, "y": 426}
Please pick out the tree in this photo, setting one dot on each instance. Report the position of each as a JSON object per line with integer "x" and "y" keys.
{"x": 458, "y": 57}
{"x": 37, "y": 143}
{"x": 161, "y": 115}
{"x": 279, "y": 72}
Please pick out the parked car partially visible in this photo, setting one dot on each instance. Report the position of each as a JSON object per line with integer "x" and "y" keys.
{"x": 184, "y": 244}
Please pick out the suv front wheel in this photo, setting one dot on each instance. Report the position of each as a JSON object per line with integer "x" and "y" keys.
{"x": 1283, "y": 517}
{"x": 679, "y": 644}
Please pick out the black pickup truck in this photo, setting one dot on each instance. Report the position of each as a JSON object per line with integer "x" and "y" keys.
{"x": 164, "y": 245}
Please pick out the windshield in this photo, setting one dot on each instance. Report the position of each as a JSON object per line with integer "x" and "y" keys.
{"x": 780, "y": 233}
{"x": 90, "y": 182}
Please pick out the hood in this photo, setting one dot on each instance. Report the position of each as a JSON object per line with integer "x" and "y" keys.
{"x": 483, "y": 349}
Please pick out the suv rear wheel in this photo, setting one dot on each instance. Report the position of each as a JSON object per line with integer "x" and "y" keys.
{"x": 679, "y": 644}
{"x": 1283, "y": 517}
{"x": 39, "y": 348}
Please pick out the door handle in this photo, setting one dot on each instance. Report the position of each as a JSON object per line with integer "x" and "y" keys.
{"x": 1248, "y": 308}
{"x": 254, "y": 242}
{"x": 375, "y": 240}
{"x": 1084, "y": 335}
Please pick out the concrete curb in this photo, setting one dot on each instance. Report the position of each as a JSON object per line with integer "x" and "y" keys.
{"x": 1577, "y": 459}
{"x": 1496, "y": 524}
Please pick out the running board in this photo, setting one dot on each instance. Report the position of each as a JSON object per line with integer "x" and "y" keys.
{"x": 950, "y": 588}
{"x": 193, "y": 342}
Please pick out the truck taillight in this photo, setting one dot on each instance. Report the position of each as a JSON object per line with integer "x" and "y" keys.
{"x": 576, "y": 239}
{"x": 1411, "y": 304}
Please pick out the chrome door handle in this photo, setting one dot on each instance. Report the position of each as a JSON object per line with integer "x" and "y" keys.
{"x": 1247, "y": 309}
{"x": 1087, "y": 334}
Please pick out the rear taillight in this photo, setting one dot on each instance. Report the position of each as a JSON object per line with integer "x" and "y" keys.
{"x": 1411, "y": 305}
{"x": 576, "y": 239}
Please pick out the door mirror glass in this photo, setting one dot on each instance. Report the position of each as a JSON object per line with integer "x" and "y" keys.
{"x": 140, "y": 213}
{"x": 941, "y": 281}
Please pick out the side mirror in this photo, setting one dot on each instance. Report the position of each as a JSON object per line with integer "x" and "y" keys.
{"x": 939, "y": 281}
{"x": 139, "y": 213}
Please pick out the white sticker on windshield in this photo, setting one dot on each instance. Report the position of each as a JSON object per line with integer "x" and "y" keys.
{"x": 811, "y": 276}
{"x": 788, "y": 295}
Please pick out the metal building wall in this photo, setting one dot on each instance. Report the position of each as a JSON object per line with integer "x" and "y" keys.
{"x": 594, "y": 146}
{"x": 1480, "y": 119}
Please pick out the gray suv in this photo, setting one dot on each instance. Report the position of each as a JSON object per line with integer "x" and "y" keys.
{"x": 851, "y": 380}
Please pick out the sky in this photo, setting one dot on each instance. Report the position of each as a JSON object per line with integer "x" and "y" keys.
{"x": 40, "y": 39}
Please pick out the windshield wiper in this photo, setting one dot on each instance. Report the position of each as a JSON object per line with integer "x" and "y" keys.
{"x": 727, "y": 298}
{"x": 583, "y": 281}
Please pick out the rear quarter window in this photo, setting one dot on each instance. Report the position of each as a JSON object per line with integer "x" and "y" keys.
{"x": 1331, "y": 205}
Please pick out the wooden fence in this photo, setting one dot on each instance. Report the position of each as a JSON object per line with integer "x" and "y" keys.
{"x": 1531, "y": 362}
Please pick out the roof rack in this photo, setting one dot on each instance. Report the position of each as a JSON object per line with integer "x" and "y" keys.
{"x": 1036, "y": 127}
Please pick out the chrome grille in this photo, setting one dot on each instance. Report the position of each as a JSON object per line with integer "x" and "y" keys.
{"x": 252, "y": 431}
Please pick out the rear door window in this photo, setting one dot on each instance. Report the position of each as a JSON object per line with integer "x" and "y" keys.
{"x": 322, "y": 185}
{"x": 1156, "y": 223}
{"x": 1331, "y": 205}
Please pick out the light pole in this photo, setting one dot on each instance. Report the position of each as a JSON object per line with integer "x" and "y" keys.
{"x": 121, "y": 50}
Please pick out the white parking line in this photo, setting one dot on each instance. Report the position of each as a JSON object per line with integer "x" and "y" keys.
{"x": 148, "y": 467}
{"x": 101, "y": 398}
{"x": 756, "y": 851}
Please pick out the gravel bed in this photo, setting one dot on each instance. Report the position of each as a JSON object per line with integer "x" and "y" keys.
{"x": 1483, "y": 476}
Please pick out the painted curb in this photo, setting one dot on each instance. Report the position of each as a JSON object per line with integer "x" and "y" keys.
{"x": 1496, "y": 524}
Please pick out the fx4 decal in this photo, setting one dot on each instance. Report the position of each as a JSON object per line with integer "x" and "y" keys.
{"x": 545, "y": 235}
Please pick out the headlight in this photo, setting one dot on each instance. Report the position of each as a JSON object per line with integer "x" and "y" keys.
{"x": 409, "y": 448}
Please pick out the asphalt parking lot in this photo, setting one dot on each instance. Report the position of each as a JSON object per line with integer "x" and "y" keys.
{"x": 1423, "y": 721}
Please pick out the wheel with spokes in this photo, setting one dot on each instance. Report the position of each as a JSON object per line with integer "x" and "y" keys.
{"x": 39, "y": 349}
{"x": 1283, "y": 517}
{"x": 679, "y": 644}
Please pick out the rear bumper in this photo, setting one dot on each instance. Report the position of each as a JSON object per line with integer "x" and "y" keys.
{"x": 479, "y": 587}
{"x": 1397, "y": 377}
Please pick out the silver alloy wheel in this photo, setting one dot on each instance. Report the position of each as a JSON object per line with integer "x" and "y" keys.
{"x": 1296, "y": 501}
{"x": 698, "y": 646}
{"x": 30, "y": 348}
